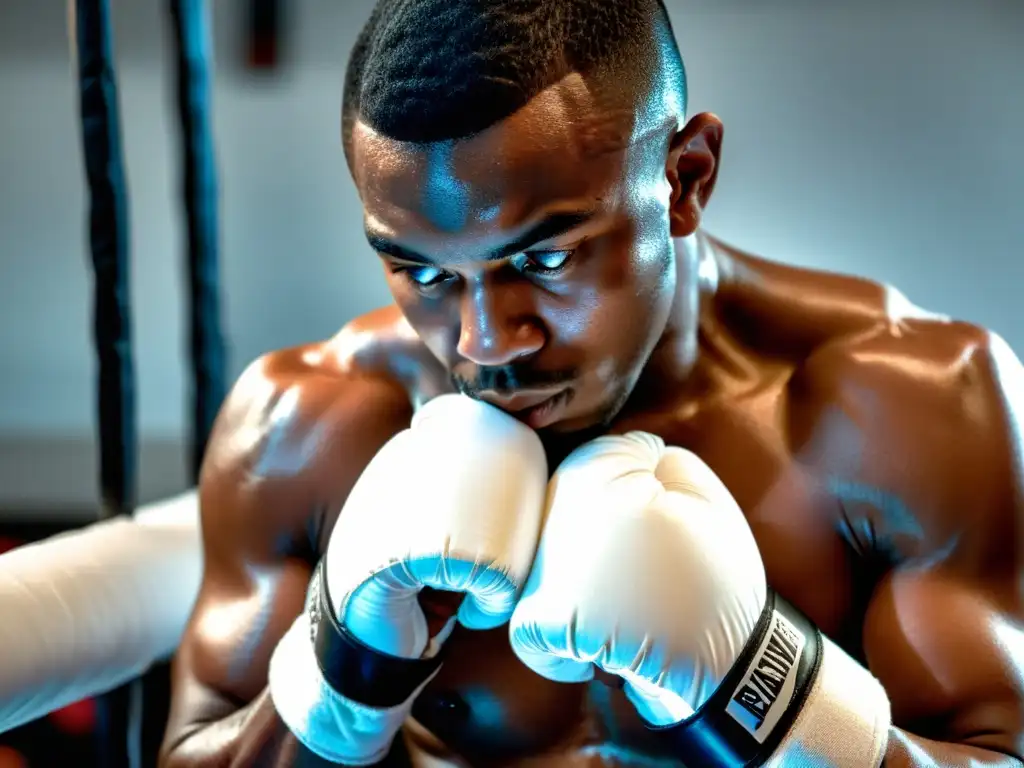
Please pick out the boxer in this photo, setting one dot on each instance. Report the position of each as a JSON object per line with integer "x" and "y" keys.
{"x": 598, "y": 488}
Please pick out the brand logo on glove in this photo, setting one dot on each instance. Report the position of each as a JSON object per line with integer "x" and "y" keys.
{"x": 768, "y": 687}
{"x": 313, "y": 604}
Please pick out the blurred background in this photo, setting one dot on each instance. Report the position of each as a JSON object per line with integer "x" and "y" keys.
{"x": 882, "y": 137}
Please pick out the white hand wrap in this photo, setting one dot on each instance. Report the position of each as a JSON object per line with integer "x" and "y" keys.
{"x": 90, "y": 609}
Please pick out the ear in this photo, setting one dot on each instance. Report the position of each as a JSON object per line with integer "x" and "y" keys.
{"x": 692, "y": 169}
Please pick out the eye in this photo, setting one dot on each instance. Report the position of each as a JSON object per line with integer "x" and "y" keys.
{"x": 543, "y": 262}
{"x": 422, "y": 277}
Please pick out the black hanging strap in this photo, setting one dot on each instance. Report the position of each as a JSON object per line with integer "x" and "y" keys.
{"x": 108, "y": 241}
{"x": 191, "y": 25}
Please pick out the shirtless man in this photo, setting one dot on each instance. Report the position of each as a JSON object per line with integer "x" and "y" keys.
{"x": 535, "y": 195}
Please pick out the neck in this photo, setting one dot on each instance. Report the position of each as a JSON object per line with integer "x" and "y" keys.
{"x": 673, "y": 371}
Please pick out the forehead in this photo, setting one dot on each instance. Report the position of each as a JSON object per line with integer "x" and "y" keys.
{"x": 570, "y": 144}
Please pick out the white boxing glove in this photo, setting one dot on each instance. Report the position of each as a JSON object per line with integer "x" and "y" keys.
{"x": 647, "y": 569}
{"x": 454, "y": 503}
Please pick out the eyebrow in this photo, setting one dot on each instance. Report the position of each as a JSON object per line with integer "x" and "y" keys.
{"x": 551, "y": 227}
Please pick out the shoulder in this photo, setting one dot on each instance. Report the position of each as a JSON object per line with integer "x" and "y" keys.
{"x": 922, "y": 417}
{"x": 294, "y": 434}
{"x": 920, "y": 429}
{"x": 788, "y": 312}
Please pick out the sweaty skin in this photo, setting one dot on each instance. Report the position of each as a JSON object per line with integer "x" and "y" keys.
{"x": 876, "y": 449}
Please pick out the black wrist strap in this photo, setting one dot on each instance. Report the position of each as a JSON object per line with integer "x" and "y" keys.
{"x": 749, "y": 714}
{"x": 352, "y": 668}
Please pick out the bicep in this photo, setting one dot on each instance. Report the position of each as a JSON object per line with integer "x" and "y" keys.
{"x": 247, "y": 600}
{"x": 951, "y": 657}
{"x": 234, "y": 628}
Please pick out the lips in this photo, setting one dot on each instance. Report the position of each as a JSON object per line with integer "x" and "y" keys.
{"x": 522, "y": 400}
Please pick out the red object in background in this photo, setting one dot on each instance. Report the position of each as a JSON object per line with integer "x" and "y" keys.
{"x": 78, "y": 719}
{"x": 5, "y": 546}
{"x": 264, "y": 34}
{"x": 12, "y": 758}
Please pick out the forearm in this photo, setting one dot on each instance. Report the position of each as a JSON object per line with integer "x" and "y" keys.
{"x": 253, "y": 736}
{"x": 905, "y": 750}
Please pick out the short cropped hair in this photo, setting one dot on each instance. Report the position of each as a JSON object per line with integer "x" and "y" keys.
{"x": 424, "y": 71}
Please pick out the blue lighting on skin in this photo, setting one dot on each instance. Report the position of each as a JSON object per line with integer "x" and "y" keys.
{"x": 445, "y": 200}
{"x": 898, "y": 514}
{"x": 488, "y": 709}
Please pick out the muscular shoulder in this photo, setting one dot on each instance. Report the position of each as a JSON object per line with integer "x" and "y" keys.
{"x": 787, "y": 313}
{"x": 919, "y": 428}
{"x": 916, "y": 422}
{"x": 297, "y": 429}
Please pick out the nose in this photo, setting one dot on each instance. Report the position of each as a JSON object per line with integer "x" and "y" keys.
{"x": 497, "y": 327}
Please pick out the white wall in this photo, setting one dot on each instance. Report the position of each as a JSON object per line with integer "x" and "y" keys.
{"x": 880, "y": 137}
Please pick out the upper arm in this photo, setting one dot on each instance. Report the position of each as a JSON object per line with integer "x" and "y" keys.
{"x": 944, "y": 630}
{"x": 288, "y": 445}
{"x": 950, "y": 653}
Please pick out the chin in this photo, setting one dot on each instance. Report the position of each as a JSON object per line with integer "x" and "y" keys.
{"x": 585, "y": 423}
{"x": 567, "y": 427}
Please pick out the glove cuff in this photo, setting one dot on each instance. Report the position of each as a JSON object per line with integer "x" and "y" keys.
{"x": 791, "y": 695}
{"x": 845, "y": 720}
{"x": 344, "y": 701}
{"x": 329, "y": 725}
{"x": 352, "y": 668}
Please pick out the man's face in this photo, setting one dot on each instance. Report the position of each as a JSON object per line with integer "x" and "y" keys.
{"x": 534, "y": 259}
